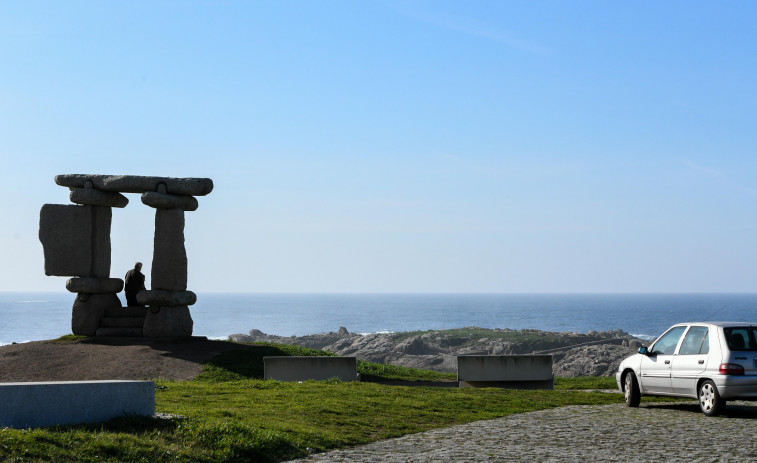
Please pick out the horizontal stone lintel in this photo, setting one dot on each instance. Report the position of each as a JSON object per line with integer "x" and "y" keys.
{"x": 92, "y": 285}
{"x": 165, "y": 201}
{"x": 92, "y": 197}
{"x": 138, "y": 184}
{"x": 162, "y": 298}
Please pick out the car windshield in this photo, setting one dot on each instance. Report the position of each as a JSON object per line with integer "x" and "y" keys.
{"x": 740, "y": 338}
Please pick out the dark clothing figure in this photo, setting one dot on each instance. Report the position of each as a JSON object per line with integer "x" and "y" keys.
{"x": 134, "y": 282}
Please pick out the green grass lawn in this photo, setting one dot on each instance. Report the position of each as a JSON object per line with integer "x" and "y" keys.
{"x": 230, "y": 414}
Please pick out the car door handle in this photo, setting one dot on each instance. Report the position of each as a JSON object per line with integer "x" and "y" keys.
{"x": 700, "y": 362}
{"x": 667, "y": 361}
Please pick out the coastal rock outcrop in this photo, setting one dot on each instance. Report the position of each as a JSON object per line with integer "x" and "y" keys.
{"x": 575, "y": 354}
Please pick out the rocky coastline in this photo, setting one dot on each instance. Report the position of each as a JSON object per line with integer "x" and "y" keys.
{"x": 574, "y": 354}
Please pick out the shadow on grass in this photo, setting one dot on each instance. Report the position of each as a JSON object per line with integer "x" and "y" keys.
{"x": 247, "y": 362}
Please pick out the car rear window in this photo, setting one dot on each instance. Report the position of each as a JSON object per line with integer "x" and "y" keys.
{"x": 740, "y": 338}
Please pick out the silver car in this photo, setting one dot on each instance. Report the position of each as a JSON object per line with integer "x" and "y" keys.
{"x": 710, "y": 361}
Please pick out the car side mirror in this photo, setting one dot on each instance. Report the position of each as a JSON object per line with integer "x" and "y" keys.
{"x": 643, "y": 350}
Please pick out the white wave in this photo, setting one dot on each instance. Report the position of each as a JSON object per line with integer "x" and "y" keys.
{"x": 644, "y": 336}
{"x": 378, "y": 332}
{"x": 218, "y": 338}
{"x": 14, "y": 342}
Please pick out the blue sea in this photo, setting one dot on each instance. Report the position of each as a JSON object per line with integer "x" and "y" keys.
{"x": 38, "y": 316}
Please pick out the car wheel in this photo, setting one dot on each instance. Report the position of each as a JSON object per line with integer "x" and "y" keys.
{"x": 710, "y": 401}
{"x": 631, "y": 389}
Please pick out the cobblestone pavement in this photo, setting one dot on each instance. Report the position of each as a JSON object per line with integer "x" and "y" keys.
{"x": 672, "y": 432}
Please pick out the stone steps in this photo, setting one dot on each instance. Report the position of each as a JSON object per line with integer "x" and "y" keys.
{"x": 122, "y": 322}
{"x": 120, "y": 332}
{"x": 125, "y": 311}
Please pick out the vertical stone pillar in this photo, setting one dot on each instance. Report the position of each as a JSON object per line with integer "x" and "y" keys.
{"x": 169, "y": 257}
{"x": 168, "y": 297}
{"x": 96, "y": 291}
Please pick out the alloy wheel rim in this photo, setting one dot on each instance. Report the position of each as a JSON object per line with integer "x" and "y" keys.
{"x": 706, "y": 397}
{"x": 629, "y": 384}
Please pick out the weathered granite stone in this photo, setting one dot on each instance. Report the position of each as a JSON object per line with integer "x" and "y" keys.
{"x": 166, "y": 298}
{"x": 89, "y": 309}
{"x": 169, "y": 258}
{"x": 94, "y": 285}
{"x": 138, "y": 184}
{"x": 163, "y": 201}
{"x": 101, "y": 220}
{"x": 66, "y": 235}
{"x": 92, "y": 197}
{"x": 168, "y": 322}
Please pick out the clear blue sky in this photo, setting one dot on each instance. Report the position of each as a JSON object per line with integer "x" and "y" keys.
{"x": 382, "y": 146}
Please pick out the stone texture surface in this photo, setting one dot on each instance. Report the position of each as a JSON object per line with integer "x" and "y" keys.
{"x": 92, "y": 197}
{"x": 163, "y": 201}
{"x": 101, "y": 220}
{"x": 671, "y": 432}
{"x": 93, "y": 285}
{"x": 166, "y": 298}
{"x": 169, "y": 258}
{"x": 168, "y": 322}
{"x": 66, "y": 233}
{"x": 89, "y": 309}
{"x": 138, "y": 184}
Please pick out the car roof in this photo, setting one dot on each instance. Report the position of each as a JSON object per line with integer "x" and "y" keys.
{"x": 723, "y": 324}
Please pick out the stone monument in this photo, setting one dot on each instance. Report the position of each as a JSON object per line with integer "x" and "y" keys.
{"x": 76, "y": 243}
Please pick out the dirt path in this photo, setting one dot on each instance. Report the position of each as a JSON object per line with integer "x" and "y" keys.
{"x": 107, "y": 359}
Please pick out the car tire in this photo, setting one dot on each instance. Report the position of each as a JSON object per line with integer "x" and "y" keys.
{"x": 710, "y": 401}
{"x": 631, "y": 390}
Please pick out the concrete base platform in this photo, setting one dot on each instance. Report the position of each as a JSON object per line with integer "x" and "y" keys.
{"x": 28, "y": 405}
{"x": 304, "y": 368}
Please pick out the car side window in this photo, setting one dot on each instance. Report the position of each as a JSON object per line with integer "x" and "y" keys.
{"x": 668, "y": 342}
{"x": 695, "y": 341}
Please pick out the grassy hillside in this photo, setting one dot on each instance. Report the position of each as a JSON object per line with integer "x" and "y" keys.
{"x": 230, "y": 414}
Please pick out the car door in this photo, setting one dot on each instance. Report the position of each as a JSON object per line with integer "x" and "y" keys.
{"x": 655, "y": 366}
{"x": 690, "y": 361}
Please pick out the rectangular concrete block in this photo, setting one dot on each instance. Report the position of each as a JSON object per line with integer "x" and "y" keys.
{"x": 66, "y": 235}
{"x": 518, "y": 371}
{"x": 305, "y": 368}
{"x": 28, "y": 405}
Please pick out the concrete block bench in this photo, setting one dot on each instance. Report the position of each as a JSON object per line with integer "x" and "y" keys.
{"x": 284, "y": 368}
{"x": 508, "y": 371}
{"x": 27, "y": 405}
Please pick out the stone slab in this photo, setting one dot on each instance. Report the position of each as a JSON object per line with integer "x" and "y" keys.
{"x": 101, "y": 221}
{"x": 169, "y": 258}
{"x": 138, "y": 184}
{"x": 95, "y": 285}
{"x": 31, "y": 405}
{"x": 66, "y": 234}
{"x": 163, "y": 201}
{"x": 92, "y": 197}
{"x": 505, "y": 370}
{"x": 168, "y": 322}
{"x": 282, "y": 368}
{"x": 166, "y": 298}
